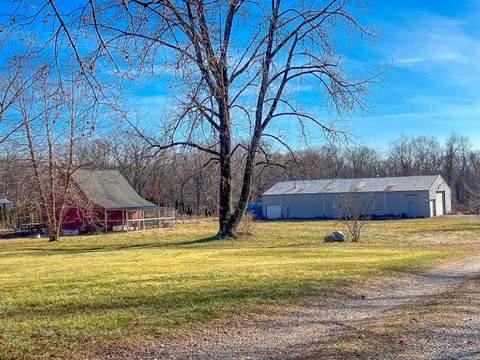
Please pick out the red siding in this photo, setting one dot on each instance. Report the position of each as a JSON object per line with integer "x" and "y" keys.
{"x": 76, "y": 219}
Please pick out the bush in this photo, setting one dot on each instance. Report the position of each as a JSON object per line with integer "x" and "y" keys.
{"x": 247, "y": 225}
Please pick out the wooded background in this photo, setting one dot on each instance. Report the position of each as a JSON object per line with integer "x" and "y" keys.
{"x": 188, "y": 179}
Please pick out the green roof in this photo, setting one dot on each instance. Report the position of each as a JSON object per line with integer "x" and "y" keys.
{"x": 110, "y": 190}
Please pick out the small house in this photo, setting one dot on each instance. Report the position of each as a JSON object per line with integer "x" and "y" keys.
{"x": 6, "y": 204}
{"x": 104, "y": 200}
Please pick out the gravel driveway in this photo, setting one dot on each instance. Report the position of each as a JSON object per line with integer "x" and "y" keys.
{"x": 433, "y": 315}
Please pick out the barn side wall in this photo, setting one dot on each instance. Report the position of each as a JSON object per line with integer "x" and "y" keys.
{"x": 315, "y": 206}
{"x": 370, "y": 203}
{"x": 411, "y": 203}
{"x": 302, "y": 206}
{"x": 270, "y": 200}
{"x": 75, "y": 219}
{"x": 440, "y": 185}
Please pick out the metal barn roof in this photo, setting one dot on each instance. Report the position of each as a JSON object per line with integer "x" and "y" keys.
{"x": 387, "y": 184}
{"x": 6, "y": 202}
{"x": 110, "y": 190}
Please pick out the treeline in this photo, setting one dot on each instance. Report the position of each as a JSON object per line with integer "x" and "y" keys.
{"x": 189, "y": 180}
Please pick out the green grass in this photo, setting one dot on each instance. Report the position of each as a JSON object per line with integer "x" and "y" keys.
{"x": 86, "y": 293}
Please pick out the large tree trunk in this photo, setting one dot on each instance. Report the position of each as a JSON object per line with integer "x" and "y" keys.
{"x": 53, "y": 225}
{"x": 54, "y": 234}
{"x": 226, "y": 230}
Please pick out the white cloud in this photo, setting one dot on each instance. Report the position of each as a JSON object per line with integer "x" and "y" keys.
{"x": 440, "y": 121}
{"x": 154, "y": 100}
{"x": 408, "y": 61}
{"x": 434, "y": 111}
{"x": 441, "y": 47}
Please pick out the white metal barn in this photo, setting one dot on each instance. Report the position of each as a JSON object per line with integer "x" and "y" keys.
{"x": 409, "y": 196}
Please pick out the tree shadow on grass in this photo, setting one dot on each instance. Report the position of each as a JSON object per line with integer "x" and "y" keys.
{"x": 43, "y": 251}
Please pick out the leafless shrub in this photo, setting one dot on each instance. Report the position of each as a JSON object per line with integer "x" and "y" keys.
{"x": 247, "y": 225}
{"x": 354, "y": 209}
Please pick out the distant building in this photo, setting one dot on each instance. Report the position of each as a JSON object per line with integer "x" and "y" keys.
{"x": 106, "y": 201}
{"x": 6, "y": 204}
{"x": 410, "y": 197}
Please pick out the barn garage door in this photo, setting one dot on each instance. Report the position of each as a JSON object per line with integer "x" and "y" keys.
{"x": 412, "y": 210}
{"x": 274, "y": 211}
{"x": 439, "y": 203}
{"x": 432, "y": 208}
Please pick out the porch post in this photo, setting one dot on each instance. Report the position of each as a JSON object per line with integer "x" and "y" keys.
{"x": 123, "y": 221}
{"x": 106, "y": 221}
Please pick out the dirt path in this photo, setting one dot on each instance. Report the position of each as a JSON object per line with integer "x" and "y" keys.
{"x": 434, "y": 315}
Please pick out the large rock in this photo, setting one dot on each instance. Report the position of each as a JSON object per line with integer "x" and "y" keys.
{"x": 336, "y": 236}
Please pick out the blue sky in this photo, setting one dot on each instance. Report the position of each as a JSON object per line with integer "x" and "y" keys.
{"x": 432, "y": 49}
{"x": 432, "y": 86}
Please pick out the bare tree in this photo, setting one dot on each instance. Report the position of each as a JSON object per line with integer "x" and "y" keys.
{"x": 229, "y": 83}
{"x": 232, "y": 84}
{"x": 402, "y": 157}
{"x": 13, "y": 82}
{"x": 472, "y": 188}
{"x": 130, "y": 158}
{"x": 55, "y": 116}
{"x": 457, "y": 167}
{"x": 354, "y": 209}
{"x": 362, "y": 161}
{"x": 427, "y": 154}
{"x": 16, "y": 182}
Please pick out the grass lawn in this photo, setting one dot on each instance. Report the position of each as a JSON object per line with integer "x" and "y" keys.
{"x": 83, "y": 294}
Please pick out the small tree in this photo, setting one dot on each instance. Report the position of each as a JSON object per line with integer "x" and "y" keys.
{"x": 55, "y": 116}
{"x": 353, "y": 211}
